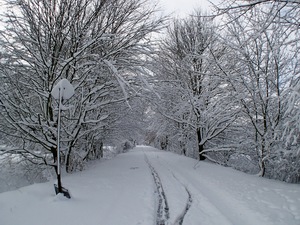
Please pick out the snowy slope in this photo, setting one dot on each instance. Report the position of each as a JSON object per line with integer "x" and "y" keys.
{"x": 146, "y": 187}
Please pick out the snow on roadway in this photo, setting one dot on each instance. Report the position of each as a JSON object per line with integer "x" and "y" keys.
{"x": 130, "y": 188}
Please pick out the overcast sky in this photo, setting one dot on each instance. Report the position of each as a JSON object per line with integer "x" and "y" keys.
{"x": 184, "y": 7}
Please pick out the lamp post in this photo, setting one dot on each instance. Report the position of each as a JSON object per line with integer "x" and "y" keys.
{"x": 63, "y": 90}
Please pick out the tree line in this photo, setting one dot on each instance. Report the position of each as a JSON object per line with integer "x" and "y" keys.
{"x": 228, "y": 87}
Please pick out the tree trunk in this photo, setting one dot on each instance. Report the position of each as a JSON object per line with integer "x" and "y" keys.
{"x": 200, "y": 146}
{"x": 262, "y": 168}
{"x": 101, "y": 150}
{"x": 68, "y": 161}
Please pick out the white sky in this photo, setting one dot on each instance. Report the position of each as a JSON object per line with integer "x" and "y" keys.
{"x": 184, "y": 7}
{"x": 178, "y": 7}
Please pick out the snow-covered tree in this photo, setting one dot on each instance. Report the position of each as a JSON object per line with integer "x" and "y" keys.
{"x": 192, "y": 95}
{"x": 98, "y": 46}
{"x": 284, "y": 13}
{"x": 258, "y": 77}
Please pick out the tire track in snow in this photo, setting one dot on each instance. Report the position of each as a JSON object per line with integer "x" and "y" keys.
{"x": 179, "y": 220}
{"x": 162, "y": 214}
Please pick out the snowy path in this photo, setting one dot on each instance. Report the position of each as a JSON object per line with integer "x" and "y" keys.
{"x": 151, "y": 187}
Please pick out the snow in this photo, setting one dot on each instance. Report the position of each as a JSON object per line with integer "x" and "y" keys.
{"x": 122, "y": 191}
{"x": 66, "y": 87}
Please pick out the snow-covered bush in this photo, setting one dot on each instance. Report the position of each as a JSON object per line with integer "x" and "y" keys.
{"x": 285, "y": 165}
{"x": 127, "y": 145}
{"x": 16, "y": 172}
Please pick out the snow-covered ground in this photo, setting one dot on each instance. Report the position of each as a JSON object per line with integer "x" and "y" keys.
{"x": 146, "y": 186}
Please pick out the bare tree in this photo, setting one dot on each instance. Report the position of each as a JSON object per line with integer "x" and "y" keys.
{"x": 287, "y": 11}
{"x": 193, "y": 96}
{"x": 259, "y": 77}
{"x": 99, "y": 46}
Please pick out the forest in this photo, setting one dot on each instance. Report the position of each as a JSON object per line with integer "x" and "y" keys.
{"x": 221, "y": 86}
